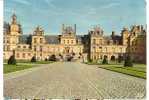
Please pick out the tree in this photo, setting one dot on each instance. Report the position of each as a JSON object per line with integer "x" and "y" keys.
{"x": 12, "y": 60}
{"x": 128, "y": 61}
{"x": 120, "y": 59}
{"x": 90, "y": 60}
{"x": 33, "y": 59}
{"x": 105, "y": 61}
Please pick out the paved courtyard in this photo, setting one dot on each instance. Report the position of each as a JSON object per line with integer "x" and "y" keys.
{"x": 72, "y": 80}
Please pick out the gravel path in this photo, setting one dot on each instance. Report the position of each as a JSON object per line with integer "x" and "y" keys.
{"x": 73, "y": 80}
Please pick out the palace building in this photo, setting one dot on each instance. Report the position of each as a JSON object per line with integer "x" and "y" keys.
{"x": 92, "y": 46}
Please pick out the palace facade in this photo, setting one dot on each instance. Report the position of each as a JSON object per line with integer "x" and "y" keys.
{"x": 92, "y": 46}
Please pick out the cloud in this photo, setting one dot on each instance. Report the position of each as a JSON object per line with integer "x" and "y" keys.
{"x": 8, "y": 10}
{"x": 110, "y": 5}
{"x": 24, "y": 2}
{"x": 49, "y": 2}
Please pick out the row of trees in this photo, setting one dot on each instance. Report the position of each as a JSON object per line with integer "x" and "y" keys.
{"x": 127, "y": 61}
{"x": 12, "y": 60}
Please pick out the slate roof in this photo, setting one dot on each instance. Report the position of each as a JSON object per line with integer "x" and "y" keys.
{"x": 80, "y": 38}
{"x": 23, "y": 39}
{"x": 52, "y": 39}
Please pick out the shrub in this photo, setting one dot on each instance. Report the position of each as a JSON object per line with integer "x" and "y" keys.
{"x": 90, "y": 60}
{"x": 128, "y": 62}
{"x": 46, "y": 59}
{"x": 52, "y": 58}
{"x": 12, "y": 60}
{"x": 105, "y": 61}
{"x": 33, "y": 59}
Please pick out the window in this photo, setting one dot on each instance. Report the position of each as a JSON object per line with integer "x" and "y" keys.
{"x": 100, "y": 47}
{"x": 105, "y": 49}
{"x": 94, "y": 49}
{"x": 94, "y": 41}
{"x": 100, "y": 41}
{"x": 13, "y": 42}
{"x": 8, "y": 41}
{"x": 29, "y": 54}
{"x": 34, "y": 48}
{"x": 24, "y": 47}
{"x": 113, "y": 49}
{"x": 35, "y": 40}
{"x": 23, "y": 55}
{"x": 40, "y": 48}
{"x": 71, "y": 41}
{"x": 4, "y": 47}
{"x": 8, "y": 47}
{"x": 64, "y": 41}
{"x": 121, "y": 50}
{"x": 4, "y": 41}
{"x": 67, "y": 41}
{"x": 41, "y": 40}
{"x": 18, "y": 55}
{"x": 19, "y": 46}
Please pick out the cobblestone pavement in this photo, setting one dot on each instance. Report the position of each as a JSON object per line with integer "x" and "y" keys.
{"x": 73, "y": 80}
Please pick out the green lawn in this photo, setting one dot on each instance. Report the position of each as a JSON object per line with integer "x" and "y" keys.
{"x": 138, "y": 70}
{"x": 12, "y": 68}
{"x": 29, "y": 62}
{"x": 21, "y": 65}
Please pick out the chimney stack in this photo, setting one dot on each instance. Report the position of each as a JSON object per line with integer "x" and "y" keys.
{"x": 113, "y": 33}
{"x": 75, "y": 28}
{"x": 63, "y": 26}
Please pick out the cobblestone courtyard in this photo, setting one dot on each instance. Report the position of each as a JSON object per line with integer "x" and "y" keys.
{"x": 72, "y": 80}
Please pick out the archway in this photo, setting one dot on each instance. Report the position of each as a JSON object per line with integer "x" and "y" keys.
{"x": 112, "y": 58}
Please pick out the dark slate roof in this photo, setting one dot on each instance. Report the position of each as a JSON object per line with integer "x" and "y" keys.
{"x": 116, "y": 37}
{"x": 108, "y": 37}
{"x": 80, "y": 38}
{"x": 23, "y": 39}
{"x": 52, "y": 39}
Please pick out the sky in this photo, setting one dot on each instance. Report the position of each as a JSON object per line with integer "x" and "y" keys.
{"x": 110, "y": 15}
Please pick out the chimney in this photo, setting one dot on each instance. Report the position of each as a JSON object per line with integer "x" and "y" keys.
{"x": 75, "y": 28}
{"x": 63, "y": 27}
{"x": 113, "y": 34}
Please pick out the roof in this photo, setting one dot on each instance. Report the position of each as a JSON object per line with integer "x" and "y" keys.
{"x": 52, "y": 39}
{"x": 23, "y": 39}
{"x": 107, "y": 37}
{"x": 80, "y": 38}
